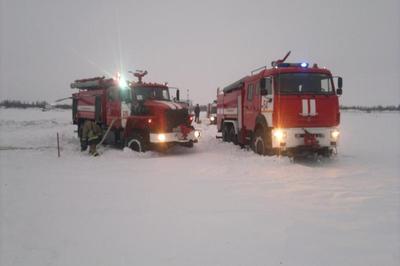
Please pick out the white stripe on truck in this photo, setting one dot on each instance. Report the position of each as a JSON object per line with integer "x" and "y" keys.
{"x": 86, "y": 108}
{"x": 304, "y": 104}
{"x": 230, "y": 111}
{"x": 313, "y": 109}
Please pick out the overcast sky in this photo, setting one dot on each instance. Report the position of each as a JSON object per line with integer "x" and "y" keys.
{"x": 197, "y": 45}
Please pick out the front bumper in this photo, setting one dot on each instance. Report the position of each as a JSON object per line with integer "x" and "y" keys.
{"x": 174, "y": 137}
{"x": 288, "y": 138}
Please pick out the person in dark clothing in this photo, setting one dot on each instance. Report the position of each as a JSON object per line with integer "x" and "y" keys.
{"x": 91, "y": 134}
{"x": 197, "y": 113}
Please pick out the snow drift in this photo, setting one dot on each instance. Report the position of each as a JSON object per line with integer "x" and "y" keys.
{"x": 215, "y": 204}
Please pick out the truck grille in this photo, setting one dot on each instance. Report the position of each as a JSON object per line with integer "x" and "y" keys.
{"x": 316, "y": 135}
{"x": 175, "y": 118}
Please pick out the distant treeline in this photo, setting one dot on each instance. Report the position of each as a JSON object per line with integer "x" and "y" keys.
{"x": 377, "y": 108}
{"x": 46, "y": 105}
{"x": 37, "y": 104}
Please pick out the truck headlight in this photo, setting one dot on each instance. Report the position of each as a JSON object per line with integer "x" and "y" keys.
{"x": 161, "y": 137}
{"x": 279, "y": 134}
{"x": 212, "y": 118}
{"x": 196, "y": 134}
{"x": 335, "y": 134}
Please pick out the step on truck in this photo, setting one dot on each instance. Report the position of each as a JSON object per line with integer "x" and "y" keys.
{"x": 290, "y": 109}
{"x": 138, "y": 115}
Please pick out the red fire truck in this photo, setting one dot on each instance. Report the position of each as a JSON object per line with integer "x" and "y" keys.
{"x": 138, "y": 115}
{"x": 290, "y": 109}
{"x": 212, "y": 112}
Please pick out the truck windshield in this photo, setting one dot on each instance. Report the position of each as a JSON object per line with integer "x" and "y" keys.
{"x": 154, "y": 93}
{"x": 304, "y": 83}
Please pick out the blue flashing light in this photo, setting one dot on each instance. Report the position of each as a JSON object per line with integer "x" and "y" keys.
{"x": 304, "y": 64}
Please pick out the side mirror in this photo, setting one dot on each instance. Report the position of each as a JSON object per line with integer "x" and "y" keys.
{"x": 339, "y": 90}
{"x": 177, "y": 95}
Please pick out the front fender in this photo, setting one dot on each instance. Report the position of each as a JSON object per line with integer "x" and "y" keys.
{"x": 136, "y": 124}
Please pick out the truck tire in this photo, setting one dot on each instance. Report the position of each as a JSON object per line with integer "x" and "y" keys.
{"x": 225, "y": 133}
{"x": 262, "y": 142}
{"x": 259, "y": 141}
{"x": 137, "y": 143}
{"x": 232, "y": 135}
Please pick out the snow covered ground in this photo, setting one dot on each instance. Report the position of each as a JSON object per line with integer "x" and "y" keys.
{"x": 214, "y": 204}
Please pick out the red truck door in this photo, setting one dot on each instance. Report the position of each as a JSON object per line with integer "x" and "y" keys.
{"x": 251, "y": 105}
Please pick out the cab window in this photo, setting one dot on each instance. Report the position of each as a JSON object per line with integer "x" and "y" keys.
{"x": 268, "y": 85}
{"x": 304, "y": 83}
{"x": 250, "y": 92}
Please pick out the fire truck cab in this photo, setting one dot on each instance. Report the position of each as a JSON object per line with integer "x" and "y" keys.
{"x": 290, "y": 109}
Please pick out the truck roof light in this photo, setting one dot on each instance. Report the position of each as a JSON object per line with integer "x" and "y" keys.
{"x": 304, "y": 64}
{"x": 122, "y": 83}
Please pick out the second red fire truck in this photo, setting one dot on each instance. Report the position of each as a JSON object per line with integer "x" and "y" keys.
{"x": 290, "y": 109}
{"x": 212, "y": 112}
{"x": 138, "y": 115}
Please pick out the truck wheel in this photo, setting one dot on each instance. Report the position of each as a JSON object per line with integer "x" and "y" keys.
{"x": 232, "y": 135}
{"x": 225, "y": 133}
{"x": 137, "y": 143}
{"x": 259, "y": 142}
